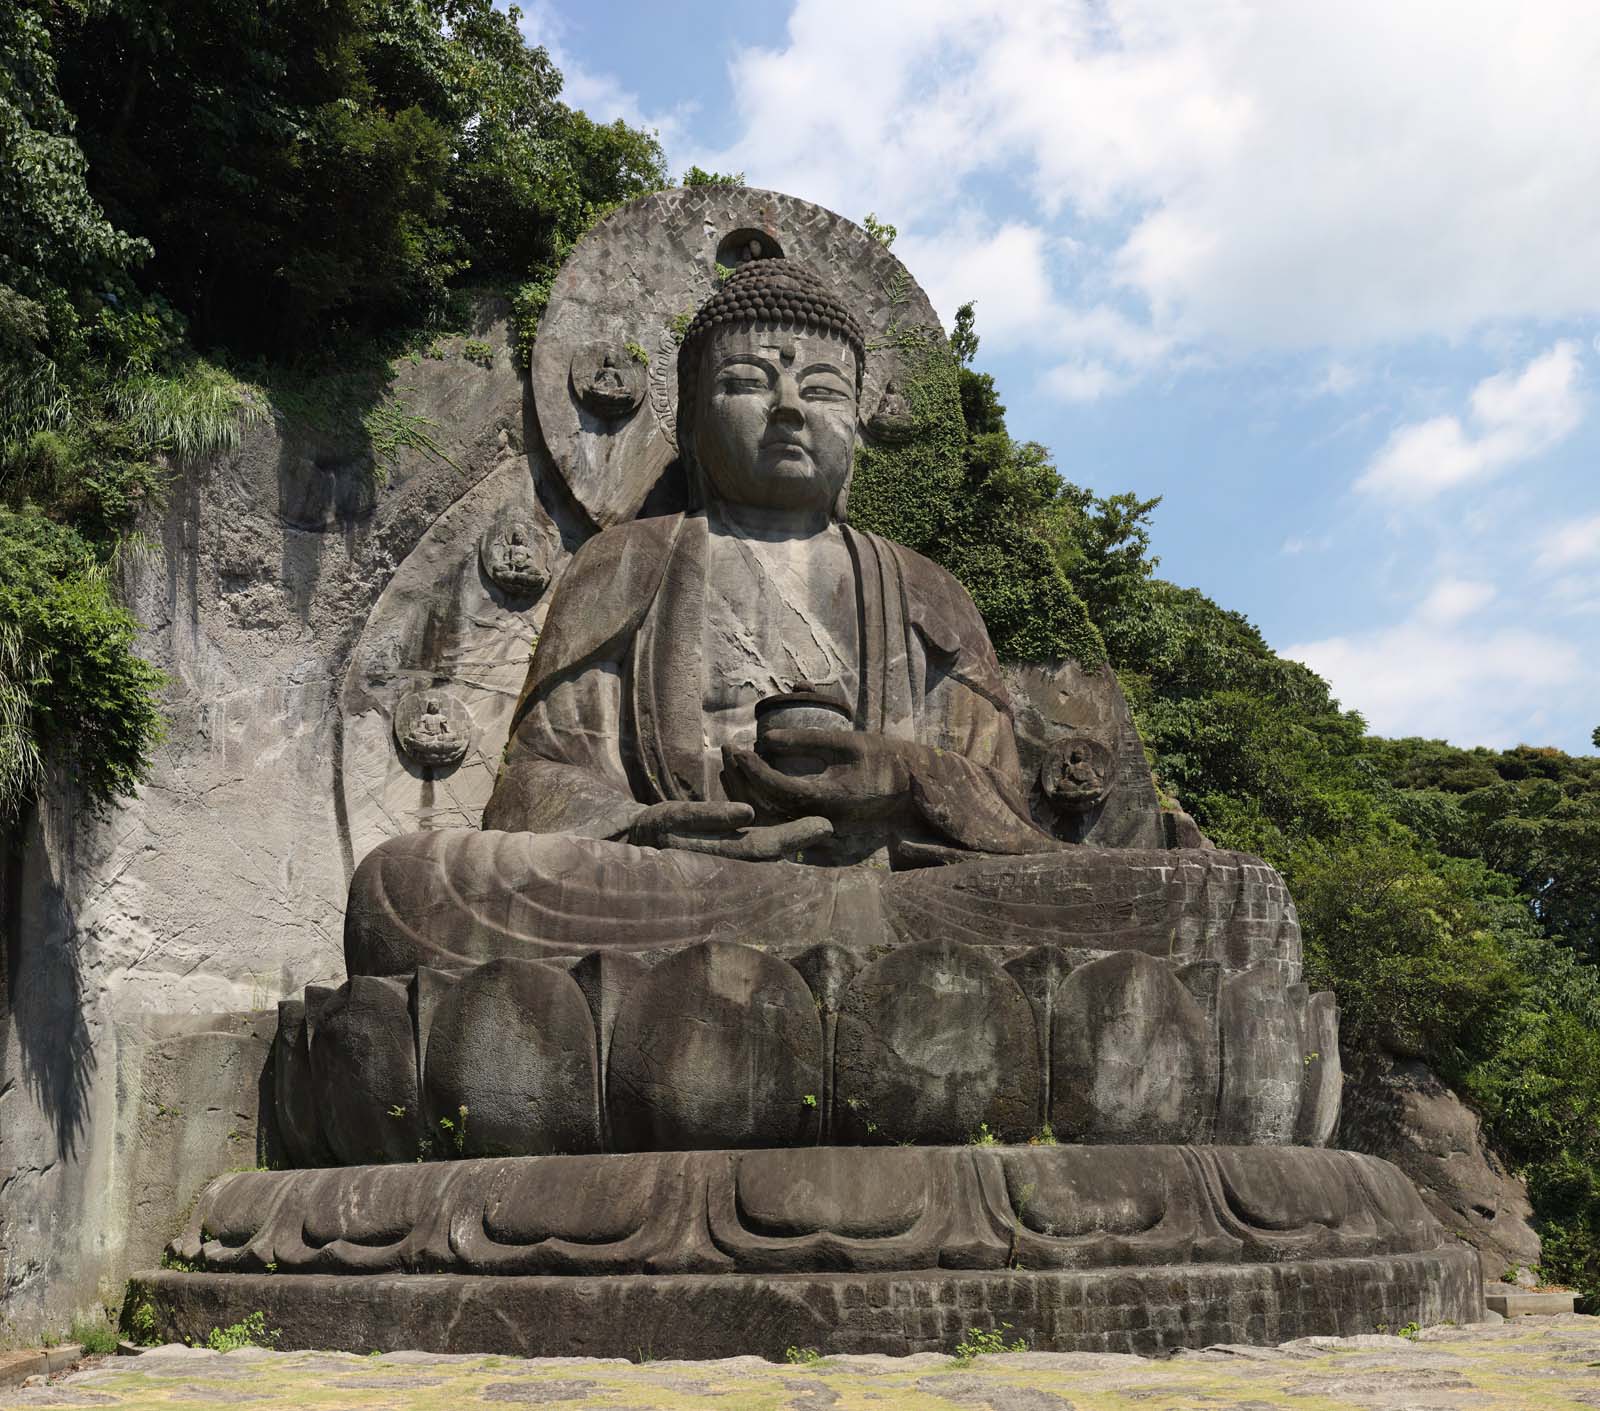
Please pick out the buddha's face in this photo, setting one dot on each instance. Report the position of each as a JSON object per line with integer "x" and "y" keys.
{"x": 776, "y": 423}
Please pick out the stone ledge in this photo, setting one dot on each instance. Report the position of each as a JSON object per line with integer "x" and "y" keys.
{"x": 1148, "y": 1310}
{"x": 17, "y": 1367}
{"x": 1523, "y": 1305}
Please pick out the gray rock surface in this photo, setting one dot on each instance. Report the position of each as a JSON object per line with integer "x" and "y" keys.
{"x": 271, "y": 597}
{"x": 1399, "y": 1110}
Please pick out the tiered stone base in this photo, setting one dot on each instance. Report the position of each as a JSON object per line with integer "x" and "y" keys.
{"x": 899, "y": 1249}
{"x": 642, "y": 1316}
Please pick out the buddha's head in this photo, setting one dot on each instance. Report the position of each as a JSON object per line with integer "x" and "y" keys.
{"x": 769, "y": 386}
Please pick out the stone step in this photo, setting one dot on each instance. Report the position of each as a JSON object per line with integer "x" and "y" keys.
{"x": 1522, "y": 1305}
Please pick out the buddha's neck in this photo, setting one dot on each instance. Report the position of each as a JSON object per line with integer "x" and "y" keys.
{"x": 758, "y": 522}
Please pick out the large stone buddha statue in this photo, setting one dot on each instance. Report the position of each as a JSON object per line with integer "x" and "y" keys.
{"x": 752, "y": 722}
{"x": 769, "y": 1007}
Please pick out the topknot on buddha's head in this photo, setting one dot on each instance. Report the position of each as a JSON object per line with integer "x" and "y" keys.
{"x": 779, "y": 292}
{"x": 776, "y": 292}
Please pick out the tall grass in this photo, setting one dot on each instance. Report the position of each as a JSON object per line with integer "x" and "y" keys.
{"x": 20, "y": 763}
{"x": 196, "y": 411}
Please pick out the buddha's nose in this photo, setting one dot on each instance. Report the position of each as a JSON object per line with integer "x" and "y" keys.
{"x": 787, "y": 408}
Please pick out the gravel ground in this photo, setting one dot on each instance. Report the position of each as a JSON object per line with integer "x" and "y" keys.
{"x": 1529, "y": 1364}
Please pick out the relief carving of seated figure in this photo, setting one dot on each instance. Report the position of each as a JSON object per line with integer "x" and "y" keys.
{"x": 638, "y": 807}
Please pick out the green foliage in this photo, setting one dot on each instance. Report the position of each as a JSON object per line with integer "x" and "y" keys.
{"x": 143, "y": 1323}
{"x": 475, "y": 350}
{"x": 989, "y": 509}
{"x": 249, "y": 1331}
{"x": 881, "y": 231}
{"x": 636, "y": 351}
{"x": 801, "y": 1356}
{"x": 987, "y": 1342}
{"x": 964, "y": 336}
{"x": 318, "y": 163}
{"x": 70, "y": 685}
{"x": 96, "y": 1336}
{"x": 392, "y": 427}
{"x": 695, "y": 176}
{"x": 1420, "y": 953}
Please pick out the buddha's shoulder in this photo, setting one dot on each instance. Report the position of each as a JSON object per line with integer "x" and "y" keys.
{"x": 937, "y": 600}
{"x": 637, "y": 541}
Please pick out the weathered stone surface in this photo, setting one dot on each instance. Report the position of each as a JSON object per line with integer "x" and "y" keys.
{"x": 191, "y": 1095}
{"x": 832, "y": 1208}
{"x": 220, "y": 888}
{"x": 511, "y": 1065}
{"x": 1126, "y": 1310}
{"x": 935, "y": 1044}
{"x": 1487, "y": 1366}
{"x": 718, "y": 1046}
{"x": 1399, "y": 1110}
{"x": 1322, "y": 1084}
{"x": 1132, "y": 1056}
{"x": 1263, "y": 1062}
{"x": 943, "y": 1038}
{"x": 454, "y": 898}
{"x": 1106, "y": 797}
{"x": 364, "y": 1060}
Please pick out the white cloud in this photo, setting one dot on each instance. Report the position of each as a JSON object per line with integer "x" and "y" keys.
{"x": 1337, "y": 379}
{"x": 1513, "y": 416}
{"x": 1453, "y": 599}
{"x": 1306, "y": 543}
{"x": 601, "y": 95}
{"x": 1443, "y": 673}
{"x": 1571, "y": 544}
{"x": 1284, "y": 174}
{"x": 1084, "y": 381}
{"x": 1007, "y": 271}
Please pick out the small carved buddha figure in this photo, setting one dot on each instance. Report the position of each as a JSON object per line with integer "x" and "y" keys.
{"x": 639, "y": 808}
{"x": 433, "y": 724}
{"x": 519, "y": 557}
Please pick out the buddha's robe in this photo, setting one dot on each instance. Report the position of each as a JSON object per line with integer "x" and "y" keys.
{"x": 613, "y": 718}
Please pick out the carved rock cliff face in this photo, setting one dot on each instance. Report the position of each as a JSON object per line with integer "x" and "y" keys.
{"x": 1399, "y": 1110}
{"x": 139, "y": 944}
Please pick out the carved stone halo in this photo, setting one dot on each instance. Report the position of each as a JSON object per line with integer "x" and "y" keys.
{"x": 607, "y": 380}
{"x": 515, "y": 554}
{"x": 432, "y": 727}
{"x": 640, "y": 274}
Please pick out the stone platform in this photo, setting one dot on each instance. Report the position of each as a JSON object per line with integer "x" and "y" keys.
{"x": 644, "y": 1317}
{"x": 896, "y": 1250}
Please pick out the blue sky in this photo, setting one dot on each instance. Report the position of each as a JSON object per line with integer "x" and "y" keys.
{"x": 1324, "y": 277}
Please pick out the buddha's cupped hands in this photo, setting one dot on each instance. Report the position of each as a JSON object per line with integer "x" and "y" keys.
{"x": 855, "y": 775}
{"x": 845, "y": 774}
{"x": 723, "y": 830}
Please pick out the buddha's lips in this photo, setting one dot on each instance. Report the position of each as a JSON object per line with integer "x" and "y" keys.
{"x": 783, "y": 444}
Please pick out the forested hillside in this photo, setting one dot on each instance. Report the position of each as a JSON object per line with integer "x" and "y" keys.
{"x": 285, "y": 197}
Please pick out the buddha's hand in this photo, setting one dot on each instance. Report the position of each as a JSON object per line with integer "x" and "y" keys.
{"x": 866, "y": 776}
{"x": 842, "y": 774}
{"x": 723, "y": 830}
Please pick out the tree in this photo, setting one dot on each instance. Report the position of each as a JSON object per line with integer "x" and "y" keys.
{"x": 321, "y": 162}
{"x": 697, "y": 176}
